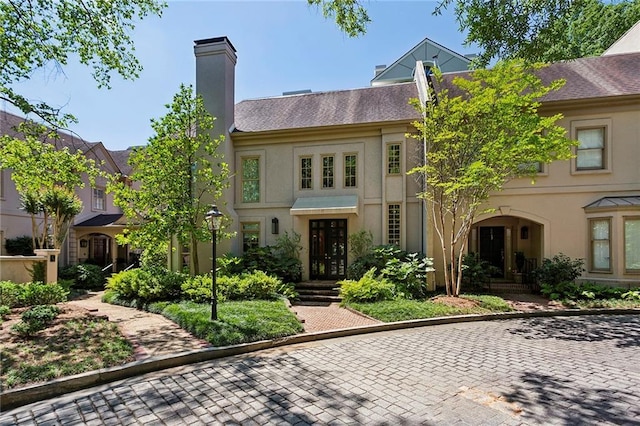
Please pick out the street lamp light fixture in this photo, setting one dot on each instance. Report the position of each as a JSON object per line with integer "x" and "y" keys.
{"x": 214, "y": 219}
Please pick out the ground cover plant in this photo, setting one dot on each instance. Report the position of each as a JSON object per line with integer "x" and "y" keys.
{"x": 437, "y": 306}
{"x": 251, "y": 305}
{"x": 45, "y": 342}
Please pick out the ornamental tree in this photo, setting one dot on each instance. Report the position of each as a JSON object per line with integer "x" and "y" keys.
{"x": 176, "y": 177}
{"x": 538, "y": 31}
{"x": 40, "y": 33}
{"x": 483, "y": 131}
{"x": 46, "y": 178}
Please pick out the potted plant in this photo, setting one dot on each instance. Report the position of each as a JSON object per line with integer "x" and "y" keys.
{"x": 520, "y": 261}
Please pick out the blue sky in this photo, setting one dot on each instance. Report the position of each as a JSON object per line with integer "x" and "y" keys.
{"x": 281, "y": 46}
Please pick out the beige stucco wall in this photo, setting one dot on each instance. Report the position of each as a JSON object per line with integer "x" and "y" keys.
{"x": 280, "y": 154}
{"x": 16, "y": 268}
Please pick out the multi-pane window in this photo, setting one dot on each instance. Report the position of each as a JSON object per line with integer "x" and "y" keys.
{"x": 393, "y": 224}
{"x": 327, "y": 171}
{"x": 99, "y": 202}
{"x": 250, "y": 180}
{"x": 350, "y": 163}
{"x": 250, "y": 236}
{"x": 393, "y": 159}
{"x": 590, "y": 153}
{"x": 306, "y": 173}
{"x": 600, "y": 245}
{"x": 632, "y": 244}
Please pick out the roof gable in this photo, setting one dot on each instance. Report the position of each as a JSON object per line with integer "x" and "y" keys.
{"x": 430, "y": 53}
{"x": 629, "y": 42}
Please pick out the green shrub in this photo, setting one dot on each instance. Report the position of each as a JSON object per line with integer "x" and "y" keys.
{"x": 476, "y": 272}
{"x": 229, "y": 265}
{"x": 30, "y": 294}
{"x": 269, "y": 260}
{"x": 35, "y": 319}
{"x": 4, "y": 311}
{"x": 360, "y": 243}
{"x": 9, "y": 294}
{"x": 147, "y": 284}
{"x": 198, "y": 289}
{"x": 19, "y": 246}
{"x": 586, "y": 291}
{"x": 409, "y": 275}
{"x": 248, "y": 286}
{"x": 376, "y": 258}
{"x": 85, "y": 276}
{"x": 366, "y": 289}
{"x": 38, "y": 272}
{"x": 559, "y": 269}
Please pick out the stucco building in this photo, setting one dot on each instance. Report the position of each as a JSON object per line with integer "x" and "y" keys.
{"x": 326, "y": 165}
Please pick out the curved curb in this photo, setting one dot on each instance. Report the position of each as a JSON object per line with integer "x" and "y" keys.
{"x": 18, "y": 397}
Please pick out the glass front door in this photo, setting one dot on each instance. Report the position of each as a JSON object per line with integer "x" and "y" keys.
{"x": 328, "y": 254}
{"x": 492, "y": 248}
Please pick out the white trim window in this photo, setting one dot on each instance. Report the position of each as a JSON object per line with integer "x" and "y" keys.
{"x": 250, "y": 235}
{"x": 590, "y": 154}
{"x": 328, "y": 171}
{"x": 393, "y": 159}
{"x": 350, "y": 170}
{"x": 632, "y": 245}
{"x": 393, "y": 224}
{"x": 306, "y": 173}
{"x": 600, "y": 232}
{"x": 99, "y": 199}
{"x": 251, "y": 180}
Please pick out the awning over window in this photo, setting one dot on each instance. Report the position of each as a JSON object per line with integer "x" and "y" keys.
{"x": 615, "y": 203}
{"x": 342, "y": 204}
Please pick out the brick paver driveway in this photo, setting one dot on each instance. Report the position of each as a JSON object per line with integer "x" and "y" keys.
{"x": 570, "y": 370}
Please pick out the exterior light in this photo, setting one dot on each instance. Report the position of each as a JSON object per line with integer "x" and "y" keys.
{"x": 214, "y": 219}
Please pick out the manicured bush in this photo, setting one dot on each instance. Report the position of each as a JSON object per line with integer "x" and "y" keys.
{"x": 30, "y": 294}
{"x": 147, "y": 285}
{"x": 198, "y": 288}
{"x": 376, "y": 258}
{"x": 369, "y": 288}
{"x": 84, "y": 275}
{"x": 35, "y": 319}
{"x": 254, "y": 285}
{"x": 559, "y": 269}
{"x": 19, "y": 246}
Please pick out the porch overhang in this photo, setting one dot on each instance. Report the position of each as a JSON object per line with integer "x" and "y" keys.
{"x": 341, "y": 204}
{"x": 631, "y": 202}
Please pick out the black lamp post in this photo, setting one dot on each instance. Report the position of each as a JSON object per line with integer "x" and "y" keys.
{"x": 214, "y": 218}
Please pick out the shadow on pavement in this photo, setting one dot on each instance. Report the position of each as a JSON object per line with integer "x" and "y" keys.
{"x": 565, "y": 402}
{"x": 624, "y": 329}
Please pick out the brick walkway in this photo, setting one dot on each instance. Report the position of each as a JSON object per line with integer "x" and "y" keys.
{"x": 329, "y": 317}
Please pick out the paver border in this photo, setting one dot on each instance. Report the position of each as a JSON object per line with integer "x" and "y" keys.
{"x": 15, "y": 398}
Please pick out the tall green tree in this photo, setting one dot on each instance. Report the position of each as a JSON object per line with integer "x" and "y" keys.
{"x": 535, "y": 30}
{"x": 46, "y": 179}
{"x": 40, "y": 33}
{"x": 177, "y": 175}
{"x": 483, "y": 131}
{"x": 543, "y": 30}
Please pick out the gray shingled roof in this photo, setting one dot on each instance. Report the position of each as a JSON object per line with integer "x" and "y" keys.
{"x": 358, "y": 106}
{"x": 595, "y": 77}
{"x": 587, "y": 78}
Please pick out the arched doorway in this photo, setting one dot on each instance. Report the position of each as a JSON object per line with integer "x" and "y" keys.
{"x": 102, "y": 250}
{"x": 512, "y": 245}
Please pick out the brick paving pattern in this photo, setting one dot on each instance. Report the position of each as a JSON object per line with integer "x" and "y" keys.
{"x": 329, "y": 317}
{"x": 557, "y": 371}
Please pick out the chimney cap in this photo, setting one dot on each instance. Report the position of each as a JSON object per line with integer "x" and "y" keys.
{"x": 215, "y": 40}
